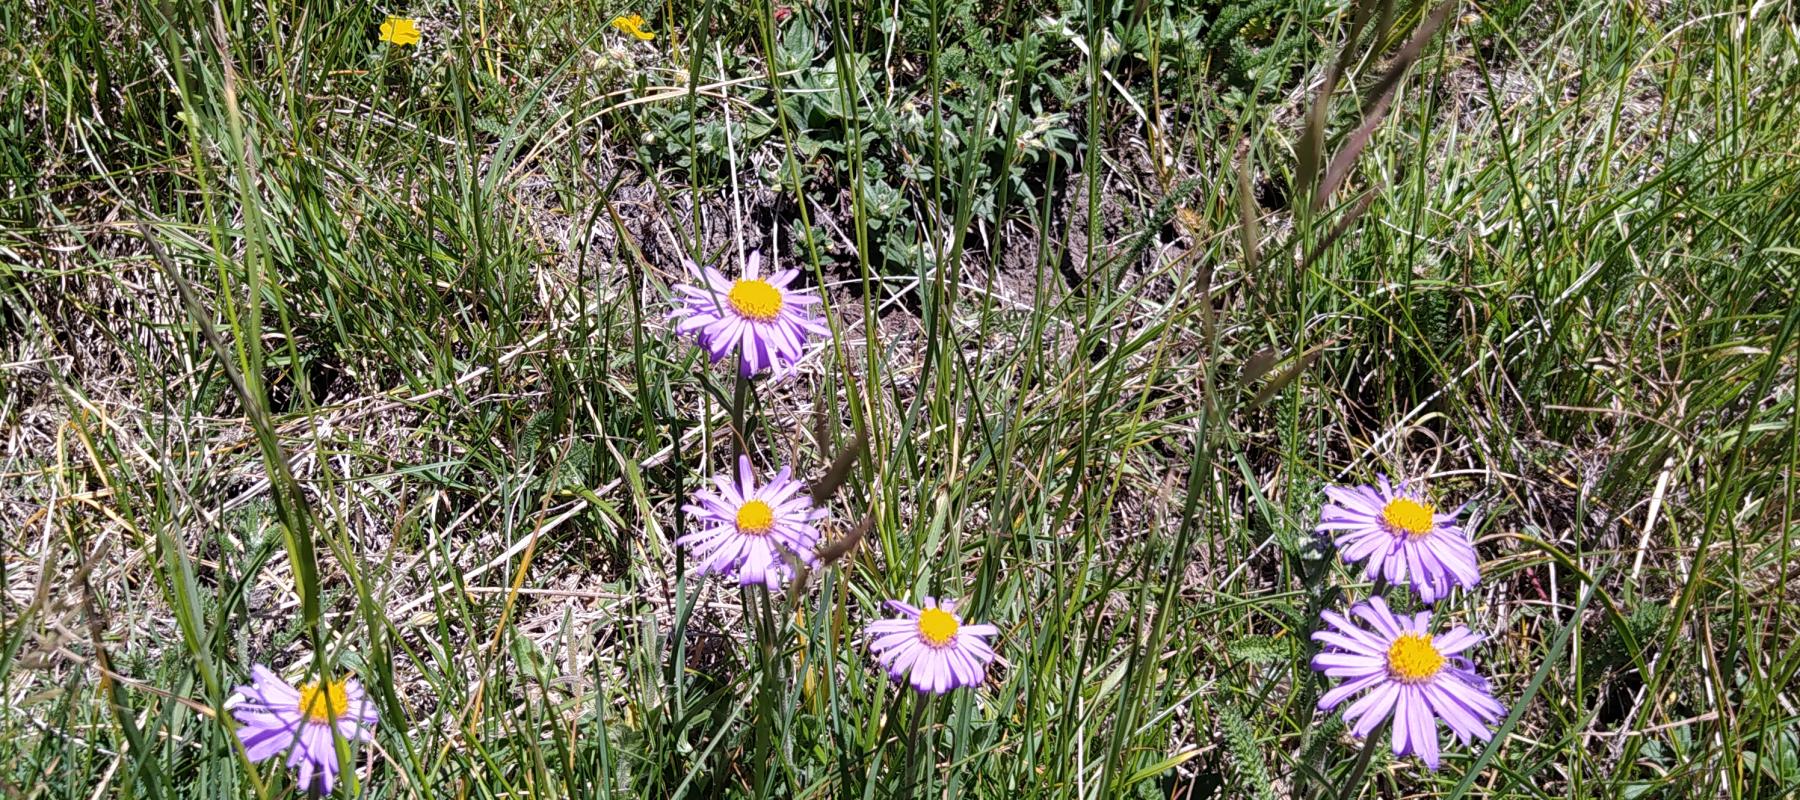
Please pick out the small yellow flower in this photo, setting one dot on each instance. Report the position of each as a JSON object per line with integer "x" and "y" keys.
{"x": 634, "y": 25}
{"x": 400, "y": 31}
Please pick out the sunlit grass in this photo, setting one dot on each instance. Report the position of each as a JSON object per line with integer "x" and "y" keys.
{"x": 337, "y": 355}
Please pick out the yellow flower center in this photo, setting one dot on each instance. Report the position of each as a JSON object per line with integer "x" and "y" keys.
{"x": 1411, "y": 517}
{"x": 323, "y": 702}
{"x": 755, "y": 517}
{"x": 1412, "y": 659}
{"x": 937, "y": 626}
{"x": 756, "y": 299}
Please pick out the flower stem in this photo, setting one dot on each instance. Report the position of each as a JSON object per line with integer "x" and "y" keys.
{"x": 1353, "y": 784}
{"x": 740, "y": 397}
{"x": 769, "y": 680}
{"x": 913, "y": 761}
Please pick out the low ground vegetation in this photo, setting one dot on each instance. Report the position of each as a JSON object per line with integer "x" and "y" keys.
{"x": 341, "y": 340}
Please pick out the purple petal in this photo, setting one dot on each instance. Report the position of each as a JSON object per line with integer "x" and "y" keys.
{"x": 1403, "y": 729}
{"x": 1348, "y": 688}
{"x": 263, "y": 743}
{"x": 1372, "y": 708}
{"x": 1455, "y": 640}
{"x": 1339, "y": 665}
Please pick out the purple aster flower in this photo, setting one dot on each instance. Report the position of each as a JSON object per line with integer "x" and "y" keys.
{"x": 302, "y": 722}
{"x": 763, "y": 319}
{"x": 934, "y": 645}
{"x": 1402, "y": 536}
{"x": 1416, "y": 677}
{"x": 745, "y": 531}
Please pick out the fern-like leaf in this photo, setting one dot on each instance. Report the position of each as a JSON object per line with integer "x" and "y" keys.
{"x": 1240, "y": 741}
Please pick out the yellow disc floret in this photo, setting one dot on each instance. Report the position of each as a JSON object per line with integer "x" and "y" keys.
{"x": 937, "y": 626}
{"x": 754, "y": 298}
{"x": 1408, "y": 516}
{"x": 323, "y": 702}
{"x": 1412, "y": 658}
{"x": 755, "y": 517}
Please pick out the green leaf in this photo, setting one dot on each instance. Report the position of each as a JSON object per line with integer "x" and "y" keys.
{"x": 1261, "y": 649}
{"x": 1240, "y": 742}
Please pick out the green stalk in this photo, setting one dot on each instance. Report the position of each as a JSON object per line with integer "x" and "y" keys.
{"x": 1353, "y": 782}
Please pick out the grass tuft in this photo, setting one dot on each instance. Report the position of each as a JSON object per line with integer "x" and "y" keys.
{"x": 343, "y": 356}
